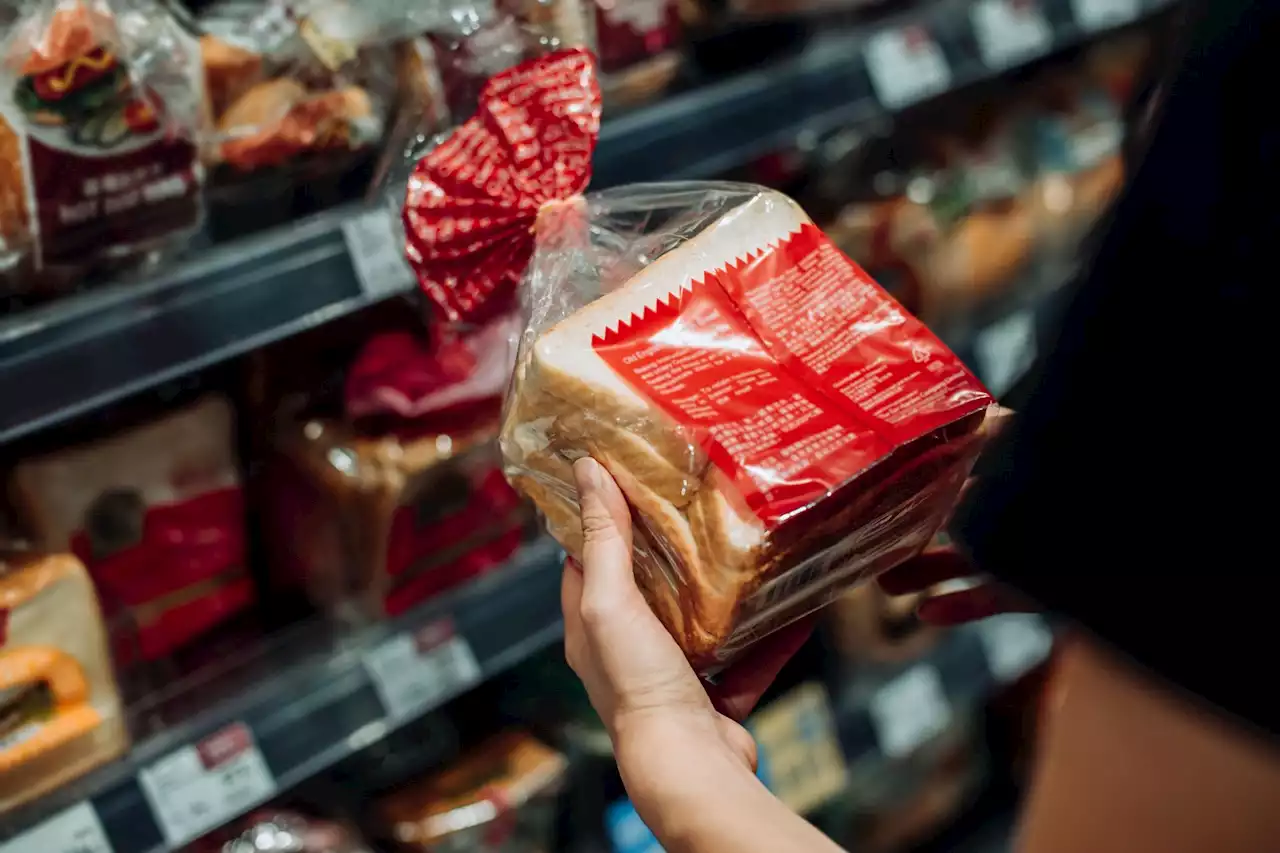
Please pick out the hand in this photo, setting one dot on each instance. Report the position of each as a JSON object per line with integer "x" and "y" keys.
{"x": 662, "y": 719}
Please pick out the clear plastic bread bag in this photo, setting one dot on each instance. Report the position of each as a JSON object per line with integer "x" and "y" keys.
{"x": 780, "y": 427}
{"x": 99, "y": 125}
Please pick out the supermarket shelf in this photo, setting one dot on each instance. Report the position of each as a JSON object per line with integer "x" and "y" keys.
{"x": 308, "y": 713}
{"x": 82, "y": 353}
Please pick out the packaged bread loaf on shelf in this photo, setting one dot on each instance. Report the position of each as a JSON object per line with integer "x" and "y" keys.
{"x": 156, "y": 513}
{"x": 780, "y": 426}
{"x": 400, "y": 495}
{"x": 298, "y": 96}
{"x": 60, "y": 711}
{"x": 499, "y": 798}
{"x": 99, "y": 123}
{"x": 279, "y": 829}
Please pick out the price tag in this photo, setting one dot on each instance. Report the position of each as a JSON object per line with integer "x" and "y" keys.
{"x": 201, "y": 787}
{"x": 910, "y": 711}
{"x": 377, "y": 253}
{"x": 76, "y": 830}
{"x": 1014, "y": 643}
{"x": 1005, "y": 350}
{"x": 1010, "y": 32}
{"x": 906, "y": 65}
{"x": 800, "y": 757}
{"x": 415, "y": 672}
{"x": 1104, "y": 14}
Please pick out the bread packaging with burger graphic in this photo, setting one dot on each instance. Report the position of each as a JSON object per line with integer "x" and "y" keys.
{"x": 99, "y": 115}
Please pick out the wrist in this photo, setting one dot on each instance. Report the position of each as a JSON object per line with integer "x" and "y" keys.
{"x": 681, "y": 771}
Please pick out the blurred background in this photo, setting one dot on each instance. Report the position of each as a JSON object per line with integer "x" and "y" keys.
{"x": 248, "y": 605}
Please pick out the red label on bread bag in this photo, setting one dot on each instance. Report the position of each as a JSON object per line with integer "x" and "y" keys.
{"x": 794, "y": 369}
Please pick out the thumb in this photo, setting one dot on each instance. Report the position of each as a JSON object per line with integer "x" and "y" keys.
{"x": 606, "y": 534}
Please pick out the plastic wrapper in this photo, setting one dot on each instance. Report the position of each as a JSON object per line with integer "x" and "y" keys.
{"x": 402, "y": 496}
{"x": 60, "y": 713}
{"x": 99, "y": 126}
{"x": 501, "y": 798}
{"x": 282, "y": 830}
{"x": 779, "y": 425}
{"x": 298, "y": 100}
{"x": 156, "y": 513}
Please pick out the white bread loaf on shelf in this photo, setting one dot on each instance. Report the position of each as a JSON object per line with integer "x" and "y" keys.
{"x": 61, "y": 714}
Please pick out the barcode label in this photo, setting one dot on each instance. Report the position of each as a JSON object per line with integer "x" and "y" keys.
{"x": 910, "y": 711}
{"x": 1014, "y": 643}
{"x": 200, "y": 787}
{"x": 906, "y": 66}
{"x": 377, "y": 253}
{"x": 416, "y": 672}
{"x": 76, "y": 830}
{"x": 1103, "y": 14}
{"x": 1010, "y": 32}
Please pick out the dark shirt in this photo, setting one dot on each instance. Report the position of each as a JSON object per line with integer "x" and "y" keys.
{"x": 1136, "y": 494}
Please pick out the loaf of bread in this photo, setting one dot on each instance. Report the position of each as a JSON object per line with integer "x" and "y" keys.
{"x": 372, "y": 525}
{"x": 156, "y": 513}
{"x": 779, "y": 426}
{"x": 60, "y": 712}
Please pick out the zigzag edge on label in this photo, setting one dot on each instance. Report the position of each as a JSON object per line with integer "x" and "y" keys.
{"x": 669, "y": 307}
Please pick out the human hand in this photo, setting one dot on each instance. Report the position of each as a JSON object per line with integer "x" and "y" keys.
{"x": 665, "y": 723}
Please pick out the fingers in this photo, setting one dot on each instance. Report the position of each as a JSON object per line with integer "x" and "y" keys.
{"x": 925, "y": 570}
{"x": 737, "y": 691}
{"x": 606, "y": 550}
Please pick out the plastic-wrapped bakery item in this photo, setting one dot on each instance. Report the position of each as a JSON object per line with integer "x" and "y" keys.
{"x": 638, "y": 44}
{"x": 60, "y": 712}
{"x": 499, "y": 798}
{"x": 99, "y": 123}
{"x": 282, "y": 830}
{"x": 156, "y": 513}
{"x": 298, "y": 100}
{"x": 780, "y": 426}
{"x": 402, "y": 496}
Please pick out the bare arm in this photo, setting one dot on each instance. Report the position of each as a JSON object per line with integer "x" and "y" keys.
{"x": 688, "y": 768}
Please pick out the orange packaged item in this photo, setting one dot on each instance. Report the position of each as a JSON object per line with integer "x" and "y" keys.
{"x": 100, "y": 117}
{"x": 60, "y": 713}
{"x": 403, "y": 497}
{"x": 156, "y": 512}
{"x": 498, "y": 799}
{"x": 781, "y": 427}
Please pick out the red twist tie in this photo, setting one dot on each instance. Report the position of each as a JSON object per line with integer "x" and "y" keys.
{"x": 471, "y": 203}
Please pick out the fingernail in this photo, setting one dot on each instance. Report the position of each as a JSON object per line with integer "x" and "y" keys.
{"x": 586, "y": 471}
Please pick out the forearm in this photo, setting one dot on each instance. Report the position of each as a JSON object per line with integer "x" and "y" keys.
{"x": 702, "y": 799}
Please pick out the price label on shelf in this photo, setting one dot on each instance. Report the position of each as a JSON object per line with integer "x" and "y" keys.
{"x": 1103, "y": 14}
{"x": 1005, "y": 350}
{"x": 414, "y": 672}
{"x": 201, "y": 787}
{"x": 906, "y": 65}
{"x": 800, "y": 757}
{"x": 75, "y": 830}
{"x": 910, "y": 711}
{"x": 1010, "y": 32}
{"x": 377, "y": 253}
{"x": 1014, "y": 644}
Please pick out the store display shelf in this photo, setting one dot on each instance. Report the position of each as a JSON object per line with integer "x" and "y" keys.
{"x": 305, "y": 712}
{"x": 76, "y": 355}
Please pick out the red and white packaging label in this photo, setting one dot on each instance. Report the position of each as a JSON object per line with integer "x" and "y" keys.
{"x": 794, "y": 369}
